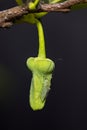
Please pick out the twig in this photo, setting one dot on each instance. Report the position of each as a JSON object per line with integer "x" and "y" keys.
{"x": 61, "y": 6}
{"x": 7, "y": 16}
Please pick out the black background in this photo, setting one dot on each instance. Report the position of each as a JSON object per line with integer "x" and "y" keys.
{"x": 66, "y": 44}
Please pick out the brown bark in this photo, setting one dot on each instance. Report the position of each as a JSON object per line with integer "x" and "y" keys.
{"x": 7, "y": 16}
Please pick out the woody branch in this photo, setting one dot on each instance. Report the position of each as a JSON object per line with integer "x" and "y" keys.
{"x": 8, "y": 16}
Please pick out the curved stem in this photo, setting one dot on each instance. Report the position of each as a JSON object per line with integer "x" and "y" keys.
{"x": 42, "y": 51}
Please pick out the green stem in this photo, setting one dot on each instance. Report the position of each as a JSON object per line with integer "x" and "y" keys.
{"x": 42, "y": 51}
{"x": 36, "y": 2}
{"x": 32, "y": 5}
{"x": 55, "y": 1}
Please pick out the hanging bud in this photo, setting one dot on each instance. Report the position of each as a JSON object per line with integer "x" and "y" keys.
{"x": 42, "y": 69}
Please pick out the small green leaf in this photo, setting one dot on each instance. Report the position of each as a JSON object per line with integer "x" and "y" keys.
{"x": 19, "y": 2}
{"x": 79, "y": 6}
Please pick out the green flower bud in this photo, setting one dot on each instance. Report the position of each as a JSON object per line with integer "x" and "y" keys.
{"x": 40, "y": 85}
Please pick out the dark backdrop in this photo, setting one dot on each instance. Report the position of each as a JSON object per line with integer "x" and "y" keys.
{"x": 66, "y": 44}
